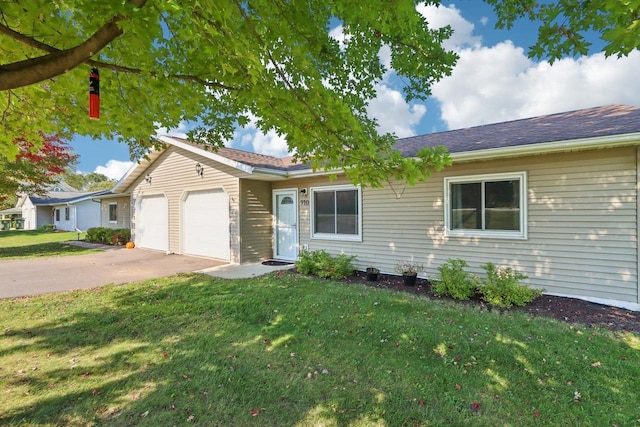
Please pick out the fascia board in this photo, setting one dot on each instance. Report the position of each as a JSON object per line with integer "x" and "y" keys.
{"x": 208, "y": 154}
{"x": 135, "y": 171}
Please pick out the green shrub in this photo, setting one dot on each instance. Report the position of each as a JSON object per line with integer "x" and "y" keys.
{"x": 502, "y": 287}
{"x": 47, "y": 228}
{"x": 109, "y": 236}
{"x": 118, "y": 236}
{"x": 96, "y": 235}
{"x": 320, "y": 263}
{"x": 454, "y": 281}
{"x": 305, "y": 263}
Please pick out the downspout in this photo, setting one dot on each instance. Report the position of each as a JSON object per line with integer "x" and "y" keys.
{"x": 75, "y": 219}
{"x": 99, "y": 201}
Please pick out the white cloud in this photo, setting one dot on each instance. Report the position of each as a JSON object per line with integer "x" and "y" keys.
{"x": 440, "y": 16}
{"x": 393, "y": 113}
{"x": 178, "y": 132}
{"x": 500, "y": 83}
{"x": 337, "y": 33}
{"x": 114, "y": 169}
{"x": 250, "y": 138}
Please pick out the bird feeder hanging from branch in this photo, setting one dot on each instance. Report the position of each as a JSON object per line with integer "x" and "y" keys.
{"x": 94, "y": 94}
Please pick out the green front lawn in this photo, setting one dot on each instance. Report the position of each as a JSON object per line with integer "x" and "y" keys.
{"x": 288, "y": 350}
{"x": 34, "y": 243}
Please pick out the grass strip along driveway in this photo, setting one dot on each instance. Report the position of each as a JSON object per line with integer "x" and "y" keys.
{"x": 34, "y": 243}
{"x": 289, "y": 350}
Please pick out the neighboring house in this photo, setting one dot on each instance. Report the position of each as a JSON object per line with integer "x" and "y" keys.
{"x": 62, "y": 206}
{"x": 10, "y": 218}
{"x": 555, "y": 197}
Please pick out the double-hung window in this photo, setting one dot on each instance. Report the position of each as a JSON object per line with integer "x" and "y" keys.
{"x": 336, "y": 213}
{"x": 67, "y": 213}
{"x": 491, "y": 205}
{"x": 113, "y": 212}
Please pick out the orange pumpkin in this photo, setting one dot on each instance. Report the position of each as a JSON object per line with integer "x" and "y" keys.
{"x": 130, "y": 245}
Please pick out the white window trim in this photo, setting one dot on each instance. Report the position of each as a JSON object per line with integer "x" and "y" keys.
{"x": 495, "y": 234}
{"x": 109, "y": 213}
{"x": 331, "y": 236}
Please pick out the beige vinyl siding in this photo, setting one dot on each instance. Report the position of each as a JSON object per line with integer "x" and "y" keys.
{"x": 304, "y": 218}
{"x": 123, "y": 212}
{"x": 256, "y": 221}
{"x": 582, "y": 224}
{"x": 173, "y": 175}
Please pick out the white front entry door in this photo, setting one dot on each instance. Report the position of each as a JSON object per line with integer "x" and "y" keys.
{"x": 285, "y": 206}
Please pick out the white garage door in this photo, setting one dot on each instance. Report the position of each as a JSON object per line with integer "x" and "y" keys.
{"x": 205, "y": 224}
{"x": 152, "y": 223}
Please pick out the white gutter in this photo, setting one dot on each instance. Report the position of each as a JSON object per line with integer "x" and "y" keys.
{"x": 610, "y": 141}
{"x": 302, "y": 173}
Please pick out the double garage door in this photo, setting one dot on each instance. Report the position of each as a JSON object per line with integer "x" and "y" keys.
{"x": 203, "y": 225}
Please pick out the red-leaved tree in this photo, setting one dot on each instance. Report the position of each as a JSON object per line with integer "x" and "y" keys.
{"x": 38, "y": 165}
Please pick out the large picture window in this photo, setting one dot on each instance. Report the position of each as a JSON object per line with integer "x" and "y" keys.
{"x": 335, "y": 212}
{"x": 486, "y": 205}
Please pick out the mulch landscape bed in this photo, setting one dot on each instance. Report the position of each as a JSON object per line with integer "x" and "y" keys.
{"x": 569, "y": 310}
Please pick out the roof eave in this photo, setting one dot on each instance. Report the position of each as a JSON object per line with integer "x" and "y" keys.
{"x": 278, "y": 174}
{"x": 611, "y": 141}
{"x": 208, "y": 154}
{"x": 135, "y": 171}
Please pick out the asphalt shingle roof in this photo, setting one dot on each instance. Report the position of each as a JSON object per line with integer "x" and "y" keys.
{"x": 59, "y": 197}
{"x": 572, "y": 125}
{"x": 587, "y": 123}
{"x": 246, "y": 157}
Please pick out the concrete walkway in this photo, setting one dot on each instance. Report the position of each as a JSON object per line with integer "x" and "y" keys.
{"x": 117, "y": 265}
{"x": 238, "y": 271}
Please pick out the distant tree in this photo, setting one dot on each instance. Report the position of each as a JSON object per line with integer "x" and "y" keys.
{"x": 36, "y": 166}
{"x": 88, "y": 182}
{"x": 74, "y": 179}
{"x": 98, "y": 181}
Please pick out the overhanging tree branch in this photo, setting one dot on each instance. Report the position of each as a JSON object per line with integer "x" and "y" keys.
{"x": 30, "y": 41}
{"x": 35, "y": 70}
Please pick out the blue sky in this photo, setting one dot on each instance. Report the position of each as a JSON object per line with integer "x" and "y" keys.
{"x": 494, "y": 81}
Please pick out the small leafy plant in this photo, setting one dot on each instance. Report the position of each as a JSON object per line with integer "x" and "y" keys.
{"x": 454, "y": 281}
{"x": 502, "y": 287}
{"x": 320, "y": 263}
{"x": 408, "y": 267}
{"x": 47, "y": 228}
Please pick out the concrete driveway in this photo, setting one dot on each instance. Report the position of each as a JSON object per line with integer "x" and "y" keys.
{"x": 22, "y": 277}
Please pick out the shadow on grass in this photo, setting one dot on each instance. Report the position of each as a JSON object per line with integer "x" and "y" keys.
{"x": 287, "y": 350}
{"x": 43, "y": 250}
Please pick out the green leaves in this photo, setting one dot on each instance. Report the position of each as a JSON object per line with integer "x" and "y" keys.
{"x": 564, "y": 24}
{"x": 215, "y": 63}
